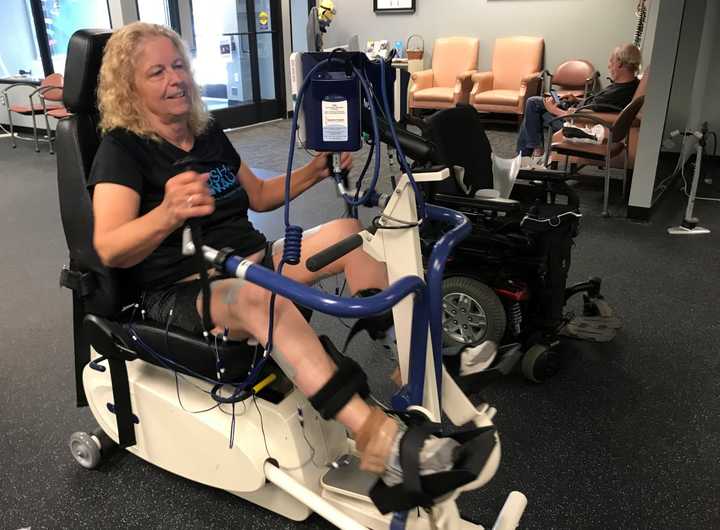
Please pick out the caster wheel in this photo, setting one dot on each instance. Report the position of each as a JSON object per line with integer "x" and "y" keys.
{"x": 107, "y": 444}
{"x": 85, "y": 450}
{"x": 540, "y": 363}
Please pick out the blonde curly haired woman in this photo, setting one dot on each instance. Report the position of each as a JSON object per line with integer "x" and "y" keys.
{"x": 153, "y": 118}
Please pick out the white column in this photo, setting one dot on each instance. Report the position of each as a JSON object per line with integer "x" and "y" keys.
{"x": 668, "y": 16}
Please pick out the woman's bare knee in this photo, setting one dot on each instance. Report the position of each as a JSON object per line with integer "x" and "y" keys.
{"x": 342, "y": 228}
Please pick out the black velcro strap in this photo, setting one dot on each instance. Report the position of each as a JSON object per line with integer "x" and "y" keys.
{"x": 197, "y": 239}
{"x": 410, "y": 446}
{"x": 82, "y": 283}
{"x": 470, "y": 459}
{"x": 123, "y": 407}
{"x": 348, "y": 380}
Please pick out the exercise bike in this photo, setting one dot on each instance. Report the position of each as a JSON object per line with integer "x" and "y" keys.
{"x": 240, "y": 424}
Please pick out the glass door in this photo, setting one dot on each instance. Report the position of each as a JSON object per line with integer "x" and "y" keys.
{"x": 238, "y": 59}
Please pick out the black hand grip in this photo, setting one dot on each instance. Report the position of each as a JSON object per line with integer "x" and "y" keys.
{"x": 338, "y": 250}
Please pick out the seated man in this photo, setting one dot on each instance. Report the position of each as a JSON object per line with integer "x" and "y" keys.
{"x": 152, "y": 118}
{"x": 623, "y": 67}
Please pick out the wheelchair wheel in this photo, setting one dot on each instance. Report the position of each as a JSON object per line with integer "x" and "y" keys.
{"x": 539, "y": 363}
{"x": 472, "y": 312}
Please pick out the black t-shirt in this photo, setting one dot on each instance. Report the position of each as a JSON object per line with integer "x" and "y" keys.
{"x": 617, "y": 95}
{"x": 145, "y": 165}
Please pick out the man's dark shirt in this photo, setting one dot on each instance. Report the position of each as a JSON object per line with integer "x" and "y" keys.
{"x": 617, "y": 95}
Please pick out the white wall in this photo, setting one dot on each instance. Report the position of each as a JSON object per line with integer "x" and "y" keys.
{"x": 708, "y": 79}
{"x": 686, "y": 63}
{"x": 587, "y": 29}
{"x": 704, "y": 81}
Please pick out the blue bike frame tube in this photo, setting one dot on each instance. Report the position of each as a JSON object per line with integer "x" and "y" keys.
{"x": 324, "y": 302}
{"x": 399, "y": 521}
{"x": 435, "y": 270}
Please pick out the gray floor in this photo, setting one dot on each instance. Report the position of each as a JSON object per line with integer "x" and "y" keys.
{"x": 626, "y": 436}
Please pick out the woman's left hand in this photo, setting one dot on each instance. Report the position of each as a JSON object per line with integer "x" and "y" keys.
{"x": 318, "y": 166}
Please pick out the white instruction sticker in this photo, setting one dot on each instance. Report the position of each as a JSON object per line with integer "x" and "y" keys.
{"x": 335, "y": 121}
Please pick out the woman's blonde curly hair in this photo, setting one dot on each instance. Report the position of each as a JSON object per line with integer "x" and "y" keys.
{"x": 117, "y": 99}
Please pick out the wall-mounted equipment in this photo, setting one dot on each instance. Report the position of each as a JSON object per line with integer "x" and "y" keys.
{"x": 394, "y": 6}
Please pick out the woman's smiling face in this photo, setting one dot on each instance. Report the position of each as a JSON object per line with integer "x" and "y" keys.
{"x": 162, "y": 79}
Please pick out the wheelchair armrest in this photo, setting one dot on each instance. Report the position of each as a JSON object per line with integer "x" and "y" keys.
{"x": 545, "y": 175}
{"x": 546, "y": 191}
{"x": 474, "y": 203}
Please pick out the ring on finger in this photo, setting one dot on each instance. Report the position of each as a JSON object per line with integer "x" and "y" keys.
{"x": 189, "y": 201}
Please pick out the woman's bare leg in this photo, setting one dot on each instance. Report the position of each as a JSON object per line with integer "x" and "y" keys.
{"x": 361, "y": 270}
{"x": 244, "y": 308}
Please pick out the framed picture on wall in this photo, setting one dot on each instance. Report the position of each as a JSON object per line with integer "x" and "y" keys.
{"x": 394, "y": 6}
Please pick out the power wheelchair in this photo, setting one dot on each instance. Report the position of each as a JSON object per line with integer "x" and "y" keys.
{"x": 288, "y": 457}
{"x": 506, "y": 282}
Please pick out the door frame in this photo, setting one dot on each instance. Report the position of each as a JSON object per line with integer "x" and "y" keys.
{"x": 259, "y": 111}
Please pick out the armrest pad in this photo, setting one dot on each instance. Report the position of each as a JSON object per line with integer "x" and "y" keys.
{"x": 530, "y": 77}
{"x": 531, "y": 84}
{"x": 422, "y": 79}
{"x": 483, "y": 82}
{"x": 481, "y": 76}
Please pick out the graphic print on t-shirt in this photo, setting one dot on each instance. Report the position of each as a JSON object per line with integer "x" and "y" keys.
{"x": 222, "y": 182}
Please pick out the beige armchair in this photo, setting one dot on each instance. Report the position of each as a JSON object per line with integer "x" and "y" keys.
{"x": 516, "y": 75}
{"x": 449, "y": 81}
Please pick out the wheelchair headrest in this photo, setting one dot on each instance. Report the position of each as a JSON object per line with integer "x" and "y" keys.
{"x": 459, "y": 135}
{"x": 82, "y": 68}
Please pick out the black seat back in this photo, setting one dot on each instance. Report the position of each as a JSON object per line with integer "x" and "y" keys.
{"x": 459, "y": 137}
{"x": 77, "y": 141}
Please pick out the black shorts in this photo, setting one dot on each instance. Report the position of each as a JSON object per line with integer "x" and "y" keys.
{"x": 181, "y": 299}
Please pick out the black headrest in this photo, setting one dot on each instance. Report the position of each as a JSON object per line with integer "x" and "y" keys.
{"x": 82, "y": 68}
{"x": 459, "y": 135}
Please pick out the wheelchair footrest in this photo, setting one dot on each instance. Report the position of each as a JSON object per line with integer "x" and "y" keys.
{"x": 507, "y": 358}
{"x": 594, "y": 329}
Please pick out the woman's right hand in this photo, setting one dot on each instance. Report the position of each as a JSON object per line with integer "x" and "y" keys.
{"x": 187, "y": 195}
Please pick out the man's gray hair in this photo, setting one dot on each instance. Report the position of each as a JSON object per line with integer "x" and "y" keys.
{"x": 629, "y": 56}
